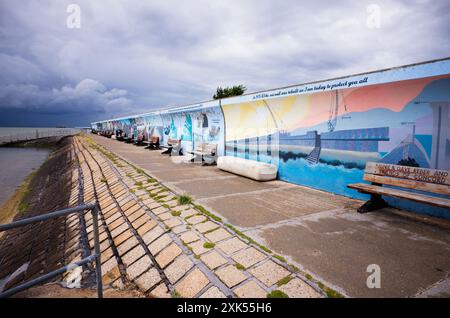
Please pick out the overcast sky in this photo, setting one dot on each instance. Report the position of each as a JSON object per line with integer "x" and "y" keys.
{"x": 131, "y": 56}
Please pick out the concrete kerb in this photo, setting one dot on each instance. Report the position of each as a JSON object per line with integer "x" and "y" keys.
{"x": 313, "y": 283}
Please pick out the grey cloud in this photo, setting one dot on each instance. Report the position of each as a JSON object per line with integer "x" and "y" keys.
{"x": 149, "y": 54}
{"x": 88, "y": 96}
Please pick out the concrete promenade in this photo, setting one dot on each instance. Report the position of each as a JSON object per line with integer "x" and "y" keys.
{"x": 318, "y": 232}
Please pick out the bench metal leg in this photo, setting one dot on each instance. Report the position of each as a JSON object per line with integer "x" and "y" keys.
{"x": 376, "y": 202}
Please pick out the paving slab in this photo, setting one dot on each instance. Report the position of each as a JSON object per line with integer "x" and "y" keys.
{"x": 187, "y": 213}
{"x": 232, "y": 245}
{"x": 213, "y": 260}
{"x": 180, "y": 229}
{"x": 192, "y": 284}
{"x": 296, "y": 288}
{"x": 248, "y": 257}
{"x": 138, "y": 267}
{"x": 250, "y": 289}
{"x": 213, "y": 292}
{"x": 159, "y": 244}
{"x": 178, "y": 268}
{"x": 122, "y": 237}
{"x": 147, "y": 226}
{"x": 168, "y": 254}
{"x": 148, "y": 279}
{"x": 189, "y": 237}
{"x": 153, "y": 234}
{"x": 197, "y": 247}
{"x": 165, "y": 216}
{"x": 230, "y": 275}
{"x": 127, "y": 245}
{"x": 269, "y": 272}
{"x": 161, "y": 291}
{"x": 173, "y": 222}
{"x": 133, "y": 255}
{"x": 196, "y": 219}
{"x": 218, "y": 235}
{"x": 206, "y": 226}
{"x": 160, "y": 210}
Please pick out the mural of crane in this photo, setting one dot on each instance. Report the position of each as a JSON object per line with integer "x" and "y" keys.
{"x": 314, "y": 155}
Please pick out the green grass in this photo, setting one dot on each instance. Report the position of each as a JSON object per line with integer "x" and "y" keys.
{"x": 23, "y": 206}
{"x": 208, "y": 245}
{"x": 159, "y": 197}
{"x": 184, "y": 199}
{"x": 175, "y": 294}
{"x": 294, "y": 268}
{"x": 308, "y": 276}
{"x": 209, "y": 231}
{"x": 284, "y": 280}
{"x": 206, "y": 212}
{"x": 175, "y": 213}
{"x": 166, "y": 206}
{"x": 139, "y": 183}
{"x": 280, "y": 258}
{"x": 277, "y": 294}
{"x": 240, "y": 267}
{"x": 331, "y": 293}
{"x": 150, "y": 180}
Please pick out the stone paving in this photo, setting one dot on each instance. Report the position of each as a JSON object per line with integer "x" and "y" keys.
{"x": 150, "y": 241}
{"x": 319, "y": 232}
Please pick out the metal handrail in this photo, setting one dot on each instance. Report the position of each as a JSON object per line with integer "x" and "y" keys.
{"x": 94, "y": 208}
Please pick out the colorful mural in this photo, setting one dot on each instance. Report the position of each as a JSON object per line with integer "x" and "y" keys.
{"x": 322, "y": 134}
{"x": 323, "y": 140}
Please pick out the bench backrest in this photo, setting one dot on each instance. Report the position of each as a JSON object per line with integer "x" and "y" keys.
{"x": 154, "y": 139}
{"x": 206, "y": 148}
{"x": 173, "y": 142}
{"x": 428, "y": 180}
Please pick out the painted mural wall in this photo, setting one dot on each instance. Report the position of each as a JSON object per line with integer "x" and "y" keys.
{"x": 204, "y": 123}
{"x": 322, "y": 134}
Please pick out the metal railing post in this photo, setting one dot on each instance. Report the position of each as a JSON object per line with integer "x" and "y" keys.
{"x": 94, "y": 208}
{"x": 98, "y": 263}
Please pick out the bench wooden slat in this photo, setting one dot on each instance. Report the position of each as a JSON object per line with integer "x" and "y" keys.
{"x": 417, "y": 197}
{"x": 204, "y": 149}
{"x": 411, "y": 173}
{"x": 410, "y": 184}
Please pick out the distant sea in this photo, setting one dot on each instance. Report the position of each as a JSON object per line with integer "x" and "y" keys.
{"x": 17, "y": 163}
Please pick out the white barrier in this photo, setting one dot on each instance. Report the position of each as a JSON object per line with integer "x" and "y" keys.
{"x": 255, "y": 170}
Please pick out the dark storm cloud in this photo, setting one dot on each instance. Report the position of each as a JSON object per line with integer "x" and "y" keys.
{"x": 132, "y": 56}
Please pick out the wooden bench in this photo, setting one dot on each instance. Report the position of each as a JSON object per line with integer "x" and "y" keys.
{"x": 153, "y": 143}
{"x": 173, "y": 147}
{"x": 139, "y": 140}
{"x": 411, "y": 178}
{"x": 206, "y": 151}
{"x": 119, "y": 134}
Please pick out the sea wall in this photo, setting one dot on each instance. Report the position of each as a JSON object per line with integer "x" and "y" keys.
{"x": 322, "y": 134}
